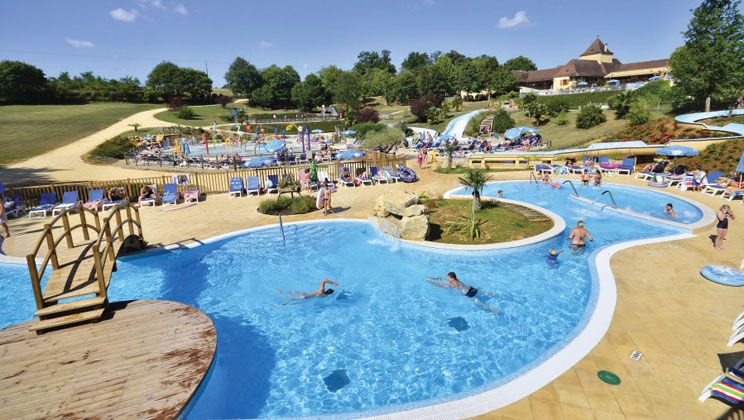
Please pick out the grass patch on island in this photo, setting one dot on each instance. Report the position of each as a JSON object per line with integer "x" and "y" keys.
{"x": 500, "y": 222}
{"x": 30, "y": 130}
{"x": 300, "y": 204}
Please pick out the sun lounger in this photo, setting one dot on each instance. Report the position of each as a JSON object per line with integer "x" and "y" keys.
{"x": 391, "y": 174}
{"x": 728, "y": 386}
{"x": 731, "y": 193}
{"x": 150, "y": 201}
{"x": 69, "y": 202}
{"x": 323, "y": 175}
{"x": 252, "y": 185}
{"x": 107, "y": 204}
{"x": 627, "y": 166}
{"x": 738, "y": 322}
{"x": 736, "y": 336}
{"x": 236, "y": 187}
{"x": 540, "y": 168}
{"x": 170, "y": 194}
{"x": 95, "y": 199}
{"x": 272, "y": 183}
{"x": 713, "y": 189}
{"x": 191, "y": 196}
{"x": 349, "y": 183}
{"x": 14, "y": 207}
{"x": 47, "y": 201}
{"x": 363, "y": 178}
{"x": 376, "y": 175}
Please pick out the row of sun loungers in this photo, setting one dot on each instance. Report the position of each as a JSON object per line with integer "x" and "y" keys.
{"x": 729, "y": 386}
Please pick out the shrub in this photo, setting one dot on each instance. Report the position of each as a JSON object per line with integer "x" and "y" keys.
{"x": 576, "y": 100}
{"x": 562, "y": 119}
{"x": 436, "y": 115}
{"x": 175, "y": 103}
{"x": 369, "y": 127}
{"x": 502, "y": 121}
{"x": 385, "y": 139}
{"x": 420, "y": 107}
{"x": 185, "y": 113}
{"x": 223, "y": 100}
{"x": 538, "y": 111}
{"x": 590, "y": 116}
{"x": 367, "y": 114}
{"x": 638, "y": 114}
{"x": 529, "y": 98}
{"x": 298, "y": 205}
{"x": 557, "y": 106}
{"x": 114, "y": 148}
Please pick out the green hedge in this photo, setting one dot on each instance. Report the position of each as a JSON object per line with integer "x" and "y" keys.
{"x": 297, "y": 205}
{"x": 326, "y": 126}
{"x": 576, "y": 100}
{"x": 114, "y": 148}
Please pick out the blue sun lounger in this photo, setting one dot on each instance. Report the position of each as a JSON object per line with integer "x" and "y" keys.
{"x": 627, "y": 166}
{"x": 170, "y": 194}
{"x": 236, "y": 187}
{"x": 69, "y": 202}
{"x": 252, "y": 185}
{"x": 272, "y": 183}
{"x": 47, "y": 201}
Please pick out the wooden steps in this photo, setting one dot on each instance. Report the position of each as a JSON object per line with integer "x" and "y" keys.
{"x": 74, "y": 306}
{"x": 531, "y": 215}
{"x": 62, "y": 321}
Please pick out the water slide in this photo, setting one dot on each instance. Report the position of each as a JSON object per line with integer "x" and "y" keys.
{"x": 456, "y": 127}
{"x": 694, "y": 118}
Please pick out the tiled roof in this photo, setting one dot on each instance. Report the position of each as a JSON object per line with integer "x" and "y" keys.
{"x": 597, "y": 47}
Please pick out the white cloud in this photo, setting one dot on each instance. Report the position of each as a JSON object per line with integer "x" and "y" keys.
{"x": 124, "y": 15}
{"x": 181, "y": 9}
{"x": 157, "y": 3}
{"x": 79, "y": 43}
{"x": 266, "y": 44}
{"x": 519, "y": 19}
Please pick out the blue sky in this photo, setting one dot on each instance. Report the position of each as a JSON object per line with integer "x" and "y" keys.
{"x": 116, "y": 38}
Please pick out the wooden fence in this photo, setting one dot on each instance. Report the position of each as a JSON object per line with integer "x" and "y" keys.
{"x": 205, "y": 182}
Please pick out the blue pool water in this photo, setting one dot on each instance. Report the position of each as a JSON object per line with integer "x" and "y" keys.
{"x": 386, "y": 340}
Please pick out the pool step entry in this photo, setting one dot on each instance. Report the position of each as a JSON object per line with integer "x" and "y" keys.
{"x": 76, "y": 289}
{"x": 531, "y": 215}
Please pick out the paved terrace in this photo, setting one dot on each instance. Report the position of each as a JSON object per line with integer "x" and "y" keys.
{"x": 665, "y": 309}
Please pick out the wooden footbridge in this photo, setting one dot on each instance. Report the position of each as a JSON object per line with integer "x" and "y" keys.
{"x": 75, "y": 290}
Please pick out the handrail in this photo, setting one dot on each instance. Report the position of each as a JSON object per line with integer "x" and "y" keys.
{"x": 572, "y": 186}
{"x": 281, "y": 227}
{"x": 533, "y": 176}
{"x": 56, "y": 242}
{"x": 614, "y": 204}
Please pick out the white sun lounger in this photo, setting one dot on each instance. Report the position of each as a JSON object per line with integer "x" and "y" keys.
{"x": 737, "y": 336}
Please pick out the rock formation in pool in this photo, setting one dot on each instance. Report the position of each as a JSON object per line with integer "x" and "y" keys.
{"x": 401, "y": 214}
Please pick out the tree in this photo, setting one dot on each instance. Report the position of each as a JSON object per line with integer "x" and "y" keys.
{"x": 403, "y": 88}
{"x": 431, "y": 81}
{"x": 621, "y": 103}
{"x": 475, "y": 179}
{"x": 165, "y": 80}
{"x": 195, "y": 83}
{"x": 280, "y": 81}
{"x": 713, "y": 54}
{"x": 539, "y": 112}
{"x": 638, "y": 114}
{"x": 242, "y": 77}
{"x": 416, "y": 60}
{"x": 449, "y": 150}
{"x": 456, "y": 57}
{"x": 501, "y": 82}
{"x": 368, "y": 60}
{"x": 347, "y": 91}
{"x": 520, "y": 63}
{"x": 730, "y": 94}
{"x": 486, "y": 67}
{"x": 502, "y": 121}
{"x": 310, "y": 94}
{"x": 375, "y": 82}
{"x": 21, "y": 82}
{"x": 590, "y": 116}
{"x": 263, "y": 97}
{"x": 329, "y": 75}
{"x": 449, "y": 71}
{"x": 385, "y": 139}
{"x": 367, "y": 114}
{"x": 420, "y": 107}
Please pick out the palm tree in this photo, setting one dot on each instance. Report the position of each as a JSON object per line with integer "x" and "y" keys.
{"x": 449, "y": 150}
{"x": 621, "y": 103}
{"x": 475, "y": 179}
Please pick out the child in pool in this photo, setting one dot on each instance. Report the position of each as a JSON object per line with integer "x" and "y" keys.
{"x": 585, "y": 178}
{"x": 552, "y": 257}
{"x": 669, "y": 210}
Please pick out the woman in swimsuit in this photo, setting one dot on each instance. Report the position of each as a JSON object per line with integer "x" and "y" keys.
{"x": 322, "y": 291}
{"x": 578, "y": 234}
{"x": 723, "y": 215}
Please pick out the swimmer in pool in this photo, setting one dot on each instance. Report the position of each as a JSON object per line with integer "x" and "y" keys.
{"x": 452, "y": 282}
{"x": 552, "y": 257}
{"x": 579, "y": 235}
{"x": 322, "y": 291}
{"x": 669, "y": 210}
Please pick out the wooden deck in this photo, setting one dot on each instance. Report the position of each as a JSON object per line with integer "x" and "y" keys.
{"x": 144, "y": 359}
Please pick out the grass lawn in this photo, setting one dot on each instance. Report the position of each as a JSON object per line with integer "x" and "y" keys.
{"x": 724, "y": 120}
{"x": 30, "y": 130}
{"x": 565, "y": 136}
{"x": 207, "y": 113}
{"x": 502, "y": 224}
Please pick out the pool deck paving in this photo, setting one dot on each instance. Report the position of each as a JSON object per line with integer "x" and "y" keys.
{"x": 665, "y": 309}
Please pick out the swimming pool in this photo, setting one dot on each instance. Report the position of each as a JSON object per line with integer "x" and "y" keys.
{"x": 387, "y": 340}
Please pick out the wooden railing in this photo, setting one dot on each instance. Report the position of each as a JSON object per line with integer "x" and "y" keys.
{"x": 106, "y": 235}
{"x": 205, "y": 182}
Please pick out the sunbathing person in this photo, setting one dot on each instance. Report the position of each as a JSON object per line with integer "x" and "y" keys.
{"x": 145, "y": 193}
{"x": 452, "y": 282}
{"x": 346, "y": 175}
{"x": 322, "y": 291}
{"x": 116, "y": 194}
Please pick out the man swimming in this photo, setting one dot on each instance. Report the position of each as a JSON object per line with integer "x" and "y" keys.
{"x": 322, "y": 291}
{"x": 452, "y": 282}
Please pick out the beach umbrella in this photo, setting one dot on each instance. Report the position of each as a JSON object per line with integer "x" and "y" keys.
{"x": 317, "y": 130}
{"x": 186, "y": 148}
{"x": 740, "y": 167}
{"x": 677, "y": 151}
{"x": 350, "y": 154}
{"x": 650, "y": 79}
{"x": 349, "y": 133}
{"x": 613, "y": 81}
{"x": 582, "y": 83}
{"x": 313, "y": 170}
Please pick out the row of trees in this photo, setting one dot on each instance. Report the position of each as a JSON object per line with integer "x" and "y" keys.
{"x": 23, "y": 83}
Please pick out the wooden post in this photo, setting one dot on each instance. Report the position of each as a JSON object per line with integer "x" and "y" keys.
{"x": 35, "y": 281}
{"x": 99, "y": 271}
{"x": 97, "y": 220}
{"x": 50, "y": 246}
{"x": 67, "y": 233}
{"x": 109, "y": 238}
{"x": 139, "y": 222}
{"x": 120, "y": 228}
{"x": 83, "y": 223}
{"x": 129, "y": 220}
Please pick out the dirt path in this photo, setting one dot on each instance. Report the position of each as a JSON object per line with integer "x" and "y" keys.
{"x": 65, "y": 163}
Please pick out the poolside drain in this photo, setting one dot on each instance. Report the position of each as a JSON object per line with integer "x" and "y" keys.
{"x": 336, "y": 380}
{"x": 608, "y": 377}
{"x": 459, "y": 323}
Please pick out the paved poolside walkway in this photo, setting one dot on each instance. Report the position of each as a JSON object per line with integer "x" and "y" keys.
{"x": 666, "y": 310}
